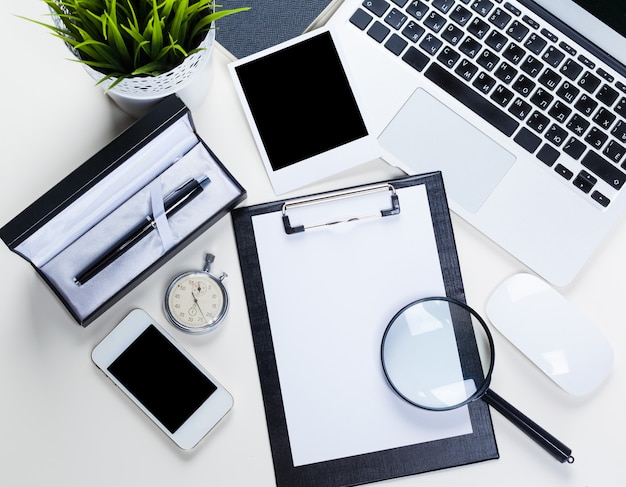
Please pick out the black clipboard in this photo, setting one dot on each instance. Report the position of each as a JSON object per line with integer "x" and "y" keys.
{"x": 479, "y": 445}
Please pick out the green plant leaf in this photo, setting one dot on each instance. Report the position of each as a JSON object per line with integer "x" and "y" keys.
{"x": 125, "y": 38}
{"x": 205, "y": 22}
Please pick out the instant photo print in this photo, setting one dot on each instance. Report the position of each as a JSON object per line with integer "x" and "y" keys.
{"x": 302, "y": 110}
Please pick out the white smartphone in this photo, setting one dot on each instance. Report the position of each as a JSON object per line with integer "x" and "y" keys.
{"x": 162, "y": 379}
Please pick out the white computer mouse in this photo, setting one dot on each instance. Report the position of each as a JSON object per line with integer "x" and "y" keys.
{"x": 542, "y": 324}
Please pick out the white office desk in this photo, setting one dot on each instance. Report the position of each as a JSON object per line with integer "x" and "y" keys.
{"x": 63, "y": 424}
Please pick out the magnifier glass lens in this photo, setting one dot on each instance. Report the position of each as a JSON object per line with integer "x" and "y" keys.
{"x": 437, "y": 354}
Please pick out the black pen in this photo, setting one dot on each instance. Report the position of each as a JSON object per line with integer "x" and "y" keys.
{"x": 174, "y": 202}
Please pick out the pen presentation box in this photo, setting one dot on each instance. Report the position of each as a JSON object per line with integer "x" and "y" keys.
{"x": 158, "y": 177}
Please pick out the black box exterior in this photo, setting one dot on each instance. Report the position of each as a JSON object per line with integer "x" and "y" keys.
{"x": 91, "y": 173}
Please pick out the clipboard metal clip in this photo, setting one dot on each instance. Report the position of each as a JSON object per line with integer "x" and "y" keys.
{"x": 340, "y": 195}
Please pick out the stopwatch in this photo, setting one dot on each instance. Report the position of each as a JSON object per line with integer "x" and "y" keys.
{"x": 196, "y": 301}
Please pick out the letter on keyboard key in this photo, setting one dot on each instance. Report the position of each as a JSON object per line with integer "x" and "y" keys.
{"x": 604, "y": 169}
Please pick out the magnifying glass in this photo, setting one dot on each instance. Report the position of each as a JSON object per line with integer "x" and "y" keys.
{"x": 438, "y": 354}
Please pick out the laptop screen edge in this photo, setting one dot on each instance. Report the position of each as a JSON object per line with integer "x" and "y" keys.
{"x": 589, "y": 26}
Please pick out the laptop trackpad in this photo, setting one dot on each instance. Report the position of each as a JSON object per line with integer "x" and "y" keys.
{"x": 425, "y": 136}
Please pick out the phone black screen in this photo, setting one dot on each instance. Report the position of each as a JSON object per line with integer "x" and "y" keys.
{"x": 162, "y": 378}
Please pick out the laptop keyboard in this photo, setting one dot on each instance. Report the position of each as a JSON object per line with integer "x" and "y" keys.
{"x": 531, "y": 84}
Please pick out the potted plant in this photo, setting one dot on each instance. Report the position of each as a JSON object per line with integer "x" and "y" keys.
{"x": 141, "y": 50}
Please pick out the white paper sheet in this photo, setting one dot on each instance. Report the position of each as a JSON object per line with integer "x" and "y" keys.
{"x": 330, "y": 293}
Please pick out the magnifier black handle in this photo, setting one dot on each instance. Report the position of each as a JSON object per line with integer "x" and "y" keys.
{"x": 544, "y": 439}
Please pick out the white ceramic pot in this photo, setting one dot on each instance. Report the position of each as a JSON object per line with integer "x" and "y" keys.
{"x": 190, "y": 81}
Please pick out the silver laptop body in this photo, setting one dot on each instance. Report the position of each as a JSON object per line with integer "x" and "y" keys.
{"x": 520, "y": 104}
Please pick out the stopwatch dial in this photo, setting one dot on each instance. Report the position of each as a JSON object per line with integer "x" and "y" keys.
{"x": 196, "y": 301}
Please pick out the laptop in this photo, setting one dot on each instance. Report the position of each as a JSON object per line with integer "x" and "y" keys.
{"x": 520, "y": 104}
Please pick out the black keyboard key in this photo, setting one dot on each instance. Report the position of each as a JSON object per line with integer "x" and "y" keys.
{"x": 413, "y": 31}
{"x": 517, "y": 31}
{"x": 607, "y": 95}
{"x": 448, "y": 57}
{"x": 466, "y": 70}
{"x": 571, "y": 69}
{"x": 378, "y": 31}
{"x": 553, "y": 56}
{"x": 415, "y": 59}
{"x": 513, "y": 9}
{"x": 588, "y": 63}
{"x": 470, "y": 47}
{"x": 548, "y": 155}
{"x": 596, "y": 138}
{"x": 550, "y": 79}
{"x": 604, "y": 118}
{"x": 563, "y": 171}
{"x": 361, "y": 19}
{"x": 589, "y": 82}
{"x": 607, "y": 76}
{"x": 535, "y": 43}
{"x": 520, "y": 108}
{"x": 527, "y": 140}
{"x": 577, "y": 124}
{"x": 452, "y": 34}
{"x": 395, "y": 18}
{"x": 434, "y": 21}
{"x": 531, "y": 66}
{"x": 559, "y": 111}
{"x": 568, "y": 92}
{"x": 417, "y": 9}
{"x": 396, "y": 44}
{"x": 514, "y": 53}
{"x": 523, "y": 85}
{"x": 567, "y": 48}
{"x": 556, "y": 135}
{"x": 460, "y": 15}
{"x": 586, "y": 105}
{"x": 574, "y": 148}
{"x": 550, "y": 35}
{"x": 541, "y": 98}
{"x": 484, "y": 83}
{"x": 483, "y": 7}
{"x": 487, "y": 59}
{"x": 377, "y": 7}
{"x": 496, "y": 40}
{"x": 431, "y": 44}
{"x": 502, "y": 96}
{"x": 443, "y": 5}
{"x": 538, "y": 122}
{"x": 505, "y": 73}
{"x": 499, "y": 18}
{"x": 602, "y": 168}
{"x": 585, "y": 181}
{"x": 475, "y": 102}
{"x": 532, "y": 22}
{"x": 600, "y": 198}
{"x": 614, "y": 151}
{"x": 478, "y": 28}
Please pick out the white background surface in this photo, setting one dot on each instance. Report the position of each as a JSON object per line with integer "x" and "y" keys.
{"x": 63, "y": 424}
